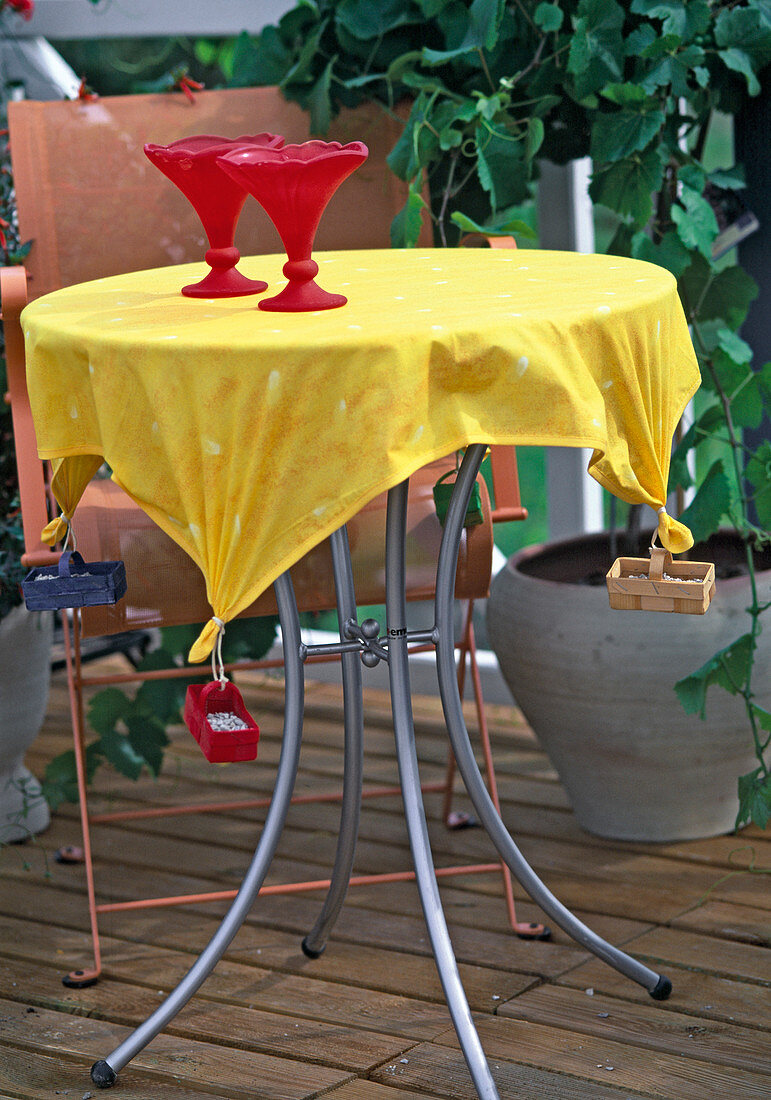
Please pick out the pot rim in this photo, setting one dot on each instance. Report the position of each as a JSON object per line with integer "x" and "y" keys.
{"x": 558, "y": 546}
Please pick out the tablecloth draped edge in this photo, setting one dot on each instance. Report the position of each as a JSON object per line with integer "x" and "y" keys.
{"x": 199, "y": 652}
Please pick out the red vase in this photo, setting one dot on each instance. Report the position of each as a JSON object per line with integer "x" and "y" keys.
{"x": 293, "y": 185}
{"x": 191, "y": 164}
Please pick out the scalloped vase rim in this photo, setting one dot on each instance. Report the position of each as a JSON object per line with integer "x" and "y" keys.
{"x": 262, "y": 155}
{"x": 185, "y": 147}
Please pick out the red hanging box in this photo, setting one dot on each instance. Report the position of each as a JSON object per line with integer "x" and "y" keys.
{"x": 216, "y": 716}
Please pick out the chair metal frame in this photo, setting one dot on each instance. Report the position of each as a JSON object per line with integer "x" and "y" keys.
{"x": 36, "y": 511}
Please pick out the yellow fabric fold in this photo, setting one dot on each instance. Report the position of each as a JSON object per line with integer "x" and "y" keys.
{"x": 68, "y": 481}
{"x": 249, "y": 436}
{"x": 205, "y": 642}
{"x": 673, "y": 535}
{"x": 56, "y": 530}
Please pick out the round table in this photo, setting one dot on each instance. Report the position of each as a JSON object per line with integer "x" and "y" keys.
{"x": 251, "y": 436}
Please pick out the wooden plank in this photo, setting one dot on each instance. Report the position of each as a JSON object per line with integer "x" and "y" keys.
{"x": 741, "y": 923}
{"x": 694, "y": 993}
{"x": 643, "y": 1025}
{"x": 384, "y": 971}
{"x": 43, "y": 1076}
{"x": 184, "y": 1061}
{"x": 627, "y": 1065}
{"x": 285, "y": 1035}
{"x": 439, "y": 1071}
{"x": 370, "y": 1090}
{"x": 708, "y": 953}
{"x": 237, "y": 983}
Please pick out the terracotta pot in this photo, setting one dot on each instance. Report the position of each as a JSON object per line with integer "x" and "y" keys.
{"x": 25, "y": 673}
{"x": 597, "y": 687}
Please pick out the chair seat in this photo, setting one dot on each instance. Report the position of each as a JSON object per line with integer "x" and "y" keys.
{"x": 166, "y": 589}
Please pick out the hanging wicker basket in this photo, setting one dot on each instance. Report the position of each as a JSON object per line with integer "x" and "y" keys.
{"x": 661, "y": 584}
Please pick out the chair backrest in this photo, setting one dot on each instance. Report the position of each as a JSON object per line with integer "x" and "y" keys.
{"x": 93, "y": 205}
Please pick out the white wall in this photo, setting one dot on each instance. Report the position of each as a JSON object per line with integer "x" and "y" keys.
{"x": 56, "y": 19}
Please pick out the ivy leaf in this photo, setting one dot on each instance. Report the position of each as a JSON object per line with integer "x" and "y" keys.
{"x": 732, "y": 179}
{"x": 596, "y": 46}
{"x": 493, "y": 229}
{"x": 754, "y": 799}
{"x": 710, "y": 421}
{"x": 402, "y": 64}
{"x": 250, "y": 637}
{"x": 627, "y": 186}
{"x": 713, "y": 499}
{"x": 60, "y": 781}
{"x": 319, "y": 103}
{"x": 147, "y": 737}
{"x": 488, "y": 106}
{"x": 747, "y": 29}
{"x": 695, "y": 221}
{"x": 548, "y": 17}
{"x": 731, "y": 343}
{"x": 679, "y": 18}
{"x": 618, "y": 134}
{"x": 501, "y": 168}
{"x": 260, "y": 61}
{"x": 304, "y": 68}
{"x": 639, "y": 40}
{"x": 119, "y": 751}
{"x": 417, "y": 143}
{"x": 693, "y": 176}
{"x": 740, "y": 62}
{"x": 675, "y": 67}
{"x": 726, "y": 294}
{"x": 669, "y": 252}
{"x": 534, "y": 137}
{"x": 762, "y": 717}
{"x": 107, "y": 708}
{"x": 365, "y": 20}
{"x": 162, "y": 698}
{"x": 406, "y": 226}
{"x": 482, "y": 26}
{"x": 728, "y": 668}
{"x": 758, "y": 473}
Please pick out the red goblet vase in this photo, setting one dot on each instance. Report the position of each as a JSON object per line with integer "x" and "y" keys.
{"x": 293, "y": 185}
{"x": 191, "y": 164}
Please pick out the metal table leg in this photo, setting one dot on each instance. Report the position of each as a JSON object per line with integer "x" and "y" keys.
{"x": 104, "y": 1072}
{"x": 657, "y": 985}
{"x": 353, "y": 760}
{"x": 401, "y": 705}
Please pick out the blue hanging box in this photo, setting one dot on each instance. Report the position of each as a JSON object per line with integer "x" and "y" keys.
{"x": 76, "y": 583}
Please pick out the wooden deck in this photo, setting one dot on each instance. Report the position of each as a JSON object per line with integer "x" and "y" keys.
{"x": 367, "y": 1021}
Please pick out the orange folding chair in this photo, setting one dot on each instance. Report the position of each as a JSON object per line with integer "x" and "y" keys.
{"x": 83, "y": 230}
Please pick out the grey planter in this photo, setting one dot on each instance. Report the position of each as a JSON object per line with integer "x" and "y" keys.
{"x": 25, "y": 673}
{"x": 596, "y": 685}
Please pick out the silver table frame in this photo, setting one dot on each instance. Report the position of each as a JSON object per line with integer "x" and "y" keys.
{"x": 362, "y": 643}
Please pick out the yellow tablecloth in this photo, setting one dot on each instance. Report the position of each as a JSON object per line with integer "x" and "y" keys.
{"x": 250, "y": 436}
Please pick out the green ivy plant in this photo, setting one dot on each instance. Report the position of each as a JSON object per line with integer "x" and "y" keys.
{"x": 493, "y": 85}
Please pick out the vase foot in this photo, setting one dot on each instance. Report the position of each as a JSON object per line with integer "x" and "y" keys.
{"x": 224, "y": 284}
{"x": 302, "y": 298}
